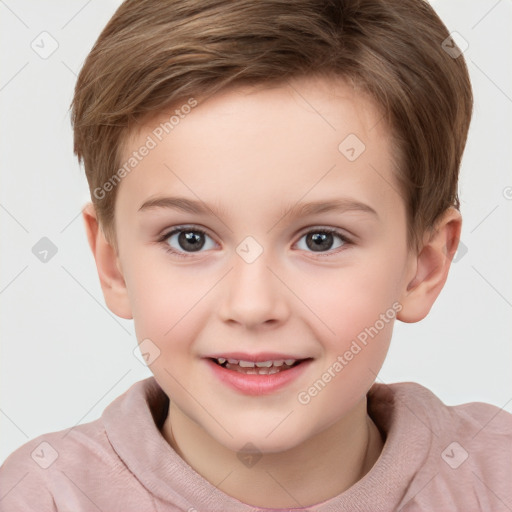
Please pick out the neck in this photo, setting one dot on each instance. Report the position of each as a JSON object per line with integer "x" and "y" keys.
{"x": 299, "y": 477}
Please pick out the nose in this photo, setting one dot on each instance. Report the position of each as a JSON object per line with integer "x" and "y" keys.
{"x": 253, "y": 296}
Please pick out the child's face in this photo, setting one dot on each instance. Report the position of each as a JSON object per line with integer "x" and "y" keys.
{"x": 251, "y": 155}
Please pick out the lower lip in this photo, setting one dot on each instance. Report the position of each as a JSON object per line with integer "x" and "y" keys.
{"x": 257, "y": 384}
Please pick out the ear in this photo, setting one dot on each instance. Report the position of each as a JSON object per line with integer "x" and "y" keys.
{"x": 431, "y": 267}
{"x": 108, "y": 266}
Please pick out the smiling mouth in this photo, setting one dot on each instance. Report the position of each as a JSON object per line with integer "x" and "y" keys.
{"x": 257, "y": 368}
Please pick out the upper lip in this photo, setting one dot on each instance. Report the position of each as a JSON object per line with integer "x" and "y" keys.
{"x": 255, "y": 358}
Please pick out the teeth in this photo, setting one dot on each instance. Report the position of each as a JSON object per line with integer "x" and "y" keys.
{"x": 260, "y": 364}
{"x": 259, "y": 368}
{"x": 264, "y": 364}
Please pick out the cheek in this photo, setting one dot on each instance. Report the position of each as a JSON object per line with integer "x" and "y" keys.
{"x": 348, "y": 300}
{"x": 166, "y": 302}
{"x": 357, "y": 307}
{"x": 361, "y": 310}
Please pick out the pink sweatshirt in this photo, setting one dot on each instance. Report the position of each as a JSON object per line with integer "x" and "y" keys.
{"x": 435, "y": 458}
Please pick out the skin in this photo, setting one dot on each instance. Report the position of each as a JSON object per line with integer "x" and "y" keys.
{"x": 253, "y": 152}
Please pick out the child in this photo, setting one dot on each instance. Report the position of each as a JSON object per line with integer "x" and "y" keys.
{"x": 273, "y": 184}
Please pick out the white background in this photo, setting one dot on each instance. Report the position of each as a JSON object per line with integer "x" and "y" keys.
{"x": 65, "y": 356}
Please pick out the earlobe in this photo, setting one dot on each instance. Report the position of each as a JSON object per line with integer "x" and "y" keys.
{"x": 108, "y": 265}
{"x": 432, "y": 266}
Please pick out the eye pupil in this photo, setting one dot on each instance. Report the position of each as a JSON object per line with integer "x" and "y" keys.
{"x": 191, "y": 240}
{"x": 320, "y": 241}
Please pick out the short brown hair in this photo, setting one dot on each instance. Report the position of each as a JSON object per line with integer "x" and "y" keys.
{"x": 157, "y": 53}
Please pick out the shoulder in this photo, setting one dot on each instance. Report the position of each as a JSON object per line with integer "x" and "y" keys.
{"x": 29, "y": 476}
{"x": 470, "y": 420}
{"x": 469, "y": 458}
{"x": 485, "y": 430}
{"x": 58, "y": 470}
{"x": 34, "y": 472}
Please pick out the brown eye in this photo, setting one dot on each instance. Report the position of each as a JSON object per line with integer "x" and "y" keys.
{"x": 319, "y": 241}
{"x": 185, "y": 241}
{"x": 191, "y": 240}
{"x": 322, "y": 240}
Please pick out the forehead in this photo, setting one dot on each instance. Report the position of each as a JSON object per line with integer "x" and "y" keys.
{"x": 254, "y": 145}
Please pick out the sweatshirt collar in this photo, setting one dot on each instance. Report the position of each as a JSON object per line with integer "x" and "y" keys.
{"x": 133, "y": 422}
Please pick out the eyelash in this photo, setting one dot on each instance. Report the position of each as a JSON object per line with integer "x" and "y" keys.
{"x": 163, "y": 239}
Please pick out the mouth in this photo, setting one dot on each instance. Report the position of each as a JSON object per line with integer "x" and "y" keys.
{"x": 268, "y": 367}
{"x": 257, "y": 374}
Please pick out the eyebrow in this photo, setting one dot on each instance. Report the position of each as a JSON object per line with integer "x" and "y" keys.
{"x": 296, "y": 210}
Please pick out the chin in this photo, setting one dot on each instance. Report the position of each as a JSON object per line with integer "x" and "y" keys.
{"x": 256, "y": 438}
